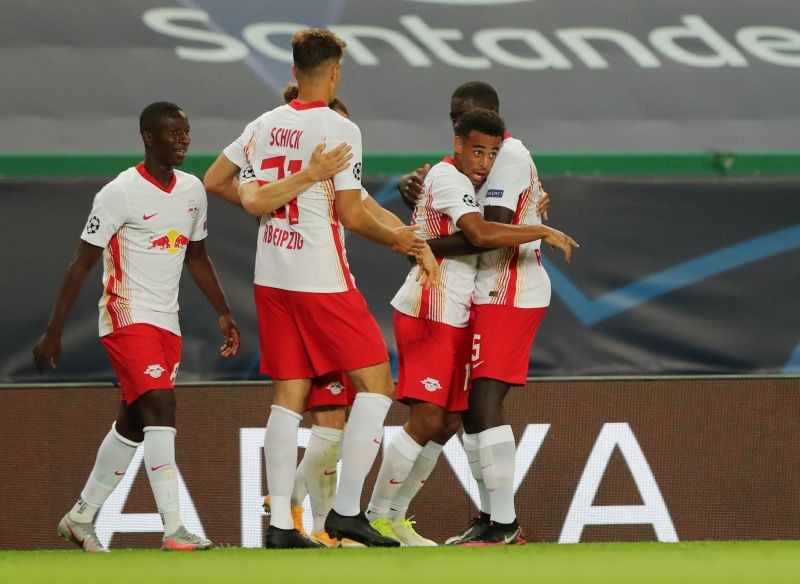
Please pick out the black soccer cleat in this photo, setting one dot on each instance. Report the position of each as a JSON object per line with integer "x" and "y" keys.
{"x": 284, "y": 539}
{"x": 477, "y": 526}
{"x": 498, "y": 534}
{"x": 358, "y": 529}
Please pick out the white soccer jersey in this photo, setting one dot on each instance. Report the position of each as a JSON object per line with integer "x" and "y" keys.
{"x": 513, "y": 276}
{"x": 448, "y": 195}
{"x": 144, "y": 229}
{"x": 301, "y": 246}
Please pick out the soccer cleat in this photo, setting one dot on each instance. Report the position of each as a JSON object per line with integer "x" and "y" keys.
{"x": 284, "y": 539}
{"x": 405, "y": 532}
{"x": 358, "y": 529}
{"x": 182, "y": 540}
{"x": 80, "y": 534}
{"x": 324, "y": 539}
{"x": 297, "y": 515}
{"x": 476, "y": 527}
{"x": 498, "y": 534}
{"x": 383, "y": 526}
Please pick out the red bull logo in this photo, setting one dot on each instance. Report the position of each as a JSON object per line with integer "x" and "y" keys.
{"x": 172, "y": 242}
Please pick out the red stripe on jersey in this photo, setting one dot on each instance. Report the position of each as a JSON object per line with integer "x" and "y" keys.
{"x": 149, "y": 178}
{"x": 337, "y": 236}
{"x": 111, "y": 285}
{"x": 294, "y": 104}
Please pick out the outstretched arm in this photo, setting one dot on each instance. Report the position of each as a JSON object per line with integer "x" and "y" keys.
{"x": 48, "y": 347}
{"x": 202, "y": 270}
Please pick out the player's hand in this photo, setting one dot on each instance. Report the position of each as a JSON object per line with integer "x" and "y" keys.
{"x": 324, "y": 165}
{"x": 559, "y": 240}
{"x": 47, "y": 350}
{"x": 429, "y": 274}
{"x": 231, "y": 334}
{"x": 405, "y": 241}
{"x": 543, "y": 204}
{"x": 411, "y": 185}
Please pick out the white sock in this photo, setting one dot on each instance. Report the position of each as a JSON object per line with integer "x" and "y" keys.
{"x": 159, "y": 459}
{"x": 362, "y": 439}
{"x": 398, "y": 460}
{"x": 113, "y": 458}
{"x": 280, "y": 453}
{"x": 423, "y": 467}
{"x": 498, "y": 451}
{"x": 319, "y": 473}
{"x": 473, "y": 450}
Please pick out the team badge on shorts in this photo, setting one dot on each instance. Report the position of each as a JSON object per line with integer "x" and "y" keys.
{"x": 335, "y": 387}
{"x": 154, "y": 371}
{"x": 431, "y": 384}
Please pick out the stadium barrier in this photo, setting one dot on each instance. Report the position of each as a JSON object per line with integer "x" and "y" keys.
{"x": 603, "y": 459}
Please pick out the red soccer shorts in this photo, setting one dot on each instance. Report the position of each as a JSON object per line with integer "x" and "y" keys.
{"x": 307, "y": 334}
{"x": 434, "y": 360}
{"x": 144, "y": 357}
{"x": 333, "y": 389}
{"x": 502, "y": 342}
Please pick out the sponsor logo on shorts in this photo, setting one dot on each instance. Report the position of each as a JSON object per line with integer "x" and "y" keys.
{"x": 154, "y": 371}
{"x": 335, "y": 387}
{"x": 477, "y": 364}
{"x": 431, "y": 384}
{"x": 494, "y": 193}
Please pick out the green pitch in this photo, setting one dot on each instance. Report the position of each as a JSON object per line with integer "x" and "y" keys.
{"x": 619, "y": 563}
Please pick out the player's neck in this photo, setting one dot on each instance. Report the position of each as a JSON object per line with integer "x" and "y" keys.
{"x": 161, "y": 172}
{"x": 310, "y": 92}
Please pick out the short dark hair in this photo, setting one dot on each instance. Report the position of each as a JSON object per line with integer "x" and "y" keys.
{"x": 291, "y": 91}
{"x": 313, "y": 47}
{"x": 154, "y": 112}
{"x": 481, "y": 94}
{"x": 480, "y": 120}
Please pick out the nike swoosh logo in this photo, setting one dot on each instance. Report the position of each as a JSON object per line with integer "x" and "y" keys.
{"x": 146, "y": 217}
{"x": 394, "y": 482}
{"x": 478, "y": 363}
{"x": 119, "y": 473}
{"x": 487, "y": 466}
{"x": 155, "y": 468}
{"x": 376, "y": 441}
{"x": 328, "y": 473}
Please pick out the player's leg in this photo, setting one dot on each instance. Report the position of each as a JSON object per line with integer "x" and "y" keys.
{"x": 280, "y": 453}
{"x": 113, "y": 458}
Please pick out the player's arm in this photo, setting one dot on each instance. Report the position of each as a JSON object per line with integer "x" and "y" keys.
{"x": 383, "y": 215}
{"x": 221, "y": 179}
{"x": 457, "y": 243}
{"x": 260, "y": 200}
{"x": 48, "y": 347}
{"x": 205, "y": 276}
{"x": 355, "y": 217}
{"x": 489, "y": 234}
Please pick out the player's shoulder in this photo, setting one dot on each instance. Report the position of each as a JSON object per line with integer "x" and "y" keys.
{"x": 513, "y": 151}
{"x": 189, "y": 180}
{"x": 120, "y": 183}
{"x": 446, "y": 171}
{"x": 337, "y": 121}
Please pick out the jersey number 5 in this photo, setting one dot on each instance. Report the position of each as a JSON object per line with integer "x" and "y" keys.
{"x": 278, "y": 163}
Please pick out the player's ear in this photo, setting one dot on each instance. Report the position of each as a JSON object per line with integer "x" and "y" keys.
{"x": 147, "y": 138}
{"x": 294, "y": 72}
{"x": 458, "y": 145}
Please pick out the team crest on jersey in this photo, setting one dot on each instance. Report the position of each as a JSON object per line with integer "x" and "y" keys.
{"x": 431, "y": 384}
{"x": 494, "y": 193}
{"x": 93, "y": 225}
{"x": 357, "y": 170}
{"x": 193, "y": 209}
{"x": 470, "y": 200}
{"x": 335, "y": 387}
{"x": 154, "y": 371}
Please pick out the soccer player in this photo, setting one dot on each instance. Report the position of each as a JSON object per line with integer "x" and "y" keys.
{"x": 432, "y": 328}
{"x": 512, "y": 293}
{"x": 148, "y": 223}
{"x": 312, "y": 319}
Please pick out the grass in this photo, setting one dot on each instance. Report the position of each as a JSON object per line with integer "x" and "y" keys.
{"x": 618, "y": 563}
